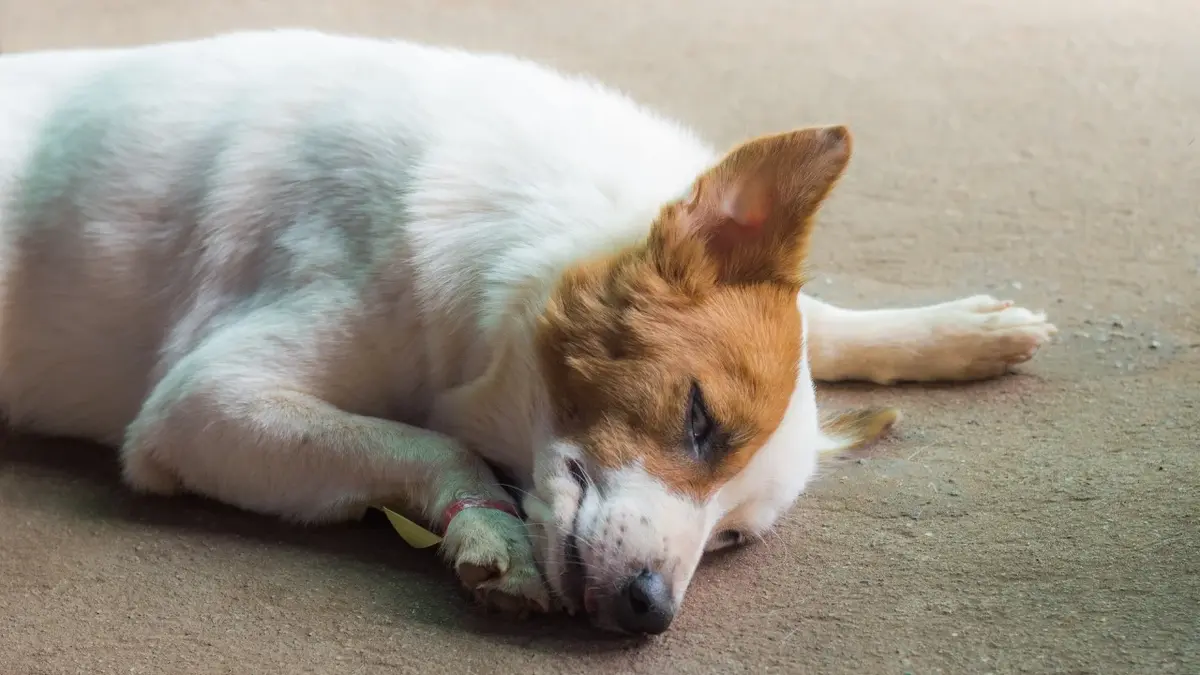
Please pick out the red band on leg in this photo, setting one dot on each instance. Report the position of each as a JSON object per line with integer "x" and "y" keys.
{"x": 461, "y": 505}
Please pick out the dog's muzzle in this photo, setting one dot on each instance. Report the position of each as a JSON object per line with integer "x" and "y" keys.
{"x": 643, "y": 605}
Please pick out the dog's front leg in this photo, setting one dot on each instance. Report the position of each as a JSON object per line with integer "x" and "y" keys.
{"x": 233, "y": 425}
{"x": 968, "y": 339}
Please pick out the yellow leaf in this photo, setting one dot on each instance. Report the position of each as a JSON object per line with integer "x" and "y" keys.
{"x": 412, "y": 533}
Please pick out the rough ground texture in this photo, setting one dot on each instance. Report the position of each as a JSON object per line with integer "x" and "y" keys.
{"x": 1043, "y": 150}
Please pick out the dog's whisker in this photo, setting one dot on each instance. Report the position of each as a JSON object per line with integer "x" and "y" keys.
{"x": 520, "y": 491}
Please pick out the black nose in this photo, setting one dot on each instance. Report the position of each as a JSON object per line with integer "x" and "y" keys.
{"x": 646, "y": 605}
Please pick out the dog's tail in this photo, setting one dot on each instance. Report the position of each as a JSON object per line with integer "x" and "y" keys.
{"x": 854, "y": 429}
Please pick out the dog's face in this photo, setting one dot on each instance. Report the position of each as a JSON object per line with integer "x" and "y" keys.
{"x": 685, "y": 415}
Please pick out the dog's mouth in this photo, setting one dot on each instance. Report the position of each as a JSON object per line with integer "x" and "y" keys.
{"x": 574, "y": 577}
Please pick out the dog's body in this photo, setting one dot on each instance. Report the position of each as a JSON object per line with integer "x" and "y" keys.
{"x": 307, "y": 274}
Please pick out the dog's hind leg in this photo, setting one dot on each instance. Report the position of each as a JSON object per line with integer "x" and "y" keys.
{"x": 969, "y": 339}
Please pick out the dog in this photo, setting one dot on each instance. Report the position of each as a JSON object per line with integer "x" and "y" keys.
{"x": 306, "y": 274}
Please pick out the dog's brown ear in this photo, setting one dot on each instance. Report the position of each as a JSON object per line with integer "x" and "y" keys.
{"x": 752, "y": 211}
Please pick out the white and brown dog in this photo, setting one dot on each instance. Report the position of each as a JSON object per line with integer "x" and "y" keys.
{"x": 306, "y": 274}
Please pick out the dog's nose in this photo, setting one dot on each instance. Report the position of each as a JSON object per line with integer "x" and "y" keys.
{"x": 645, "y": 605}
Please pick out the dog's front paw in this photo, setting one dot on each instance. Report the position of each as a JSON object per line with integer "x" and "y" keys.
{"x": 493, "y": 556}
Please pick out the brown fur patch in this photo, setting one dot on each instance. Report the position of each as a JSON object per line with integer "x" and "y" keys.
{"x": 854, "y": 429}
{"x": 708, "y": 298}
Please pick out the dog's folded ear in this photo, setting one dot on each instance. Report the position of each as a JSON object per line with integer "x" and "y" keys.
{"x": 752, "y": 212}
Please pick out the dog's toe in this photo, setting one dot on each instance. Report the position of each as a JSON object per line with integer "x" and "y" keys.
{"x": 519, "y": 592}
{"x": 978, "y": 303}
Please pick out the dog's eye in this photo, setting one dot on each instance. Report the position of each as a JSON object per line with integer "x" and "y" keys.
{"x": 701, "y": 428}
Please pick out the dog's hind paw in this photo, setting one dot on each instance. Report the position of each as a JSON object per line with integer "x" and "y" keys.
{"x": 493, "y": 556}
{"x": 981, "y": 337}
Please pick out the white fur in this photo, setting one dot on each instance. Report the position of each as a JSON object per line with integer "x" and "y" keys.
{"x": 968, "y": 339}
{"x": 298, "y": 273}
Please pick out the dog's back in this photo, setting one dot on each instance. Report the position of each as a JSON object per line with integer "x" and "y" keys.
{"x": 146, "y": 192}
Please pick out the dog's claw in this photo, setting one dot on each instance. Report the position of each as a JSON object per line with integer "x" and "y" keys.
{"x": 473, "y": 575}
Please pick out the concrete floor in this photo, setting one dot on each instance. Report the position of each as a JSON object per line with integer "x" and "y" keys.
{"x": 1043, "y": 523}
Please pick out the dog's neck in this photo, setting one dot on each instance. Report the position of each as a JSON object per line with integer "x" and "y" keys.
{"x": 493, "y": 396}
{"x": 485, "y": 254}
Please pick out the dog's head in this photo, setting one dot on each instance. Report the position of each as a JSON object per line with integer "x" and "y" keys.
{"x": 685, "y": 412}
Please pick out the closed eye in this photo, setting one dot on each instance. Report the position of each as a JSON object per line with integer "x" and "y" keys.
{"x": 706, "y": 439}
